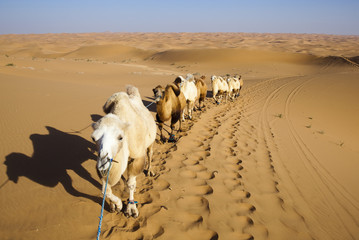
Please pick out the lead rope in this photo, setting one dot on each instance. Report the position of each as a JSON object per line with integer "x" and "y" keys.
{"x": 103, "y": 203}
{"x": 149, "y": 104}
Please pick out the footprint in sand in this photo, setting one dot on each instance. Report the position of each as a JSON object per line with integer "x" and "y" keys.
{"x": 197, "y": 168}
{"x": 190, "y": 162}
{"x": 188, "y": 174}
{"x": 161, "y": 185}
{"x": 232, "y": 183}
{"x": 206, "y": 175}
{"x": 200, "y": 190}
{"x": 194, "y": 204}
{"x": 201, "y": 234}
{"x": 243, "y": 209}
{"x": 240, "y": 194}
{"x": 189, "y": 220}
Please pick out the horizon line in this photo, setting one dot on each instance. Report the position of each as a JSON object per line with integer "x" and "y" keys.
{"x": 180, "y": 32}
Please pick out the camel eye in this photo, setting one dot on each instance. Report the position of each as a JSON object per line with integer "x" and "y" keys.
{"x": 119, "y": 138}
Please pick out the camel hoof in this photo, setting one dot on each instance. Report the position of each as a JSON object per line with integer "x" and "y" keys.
{"x": 112, "y": 207}
{"x": 152, "y": 174}
{"x": 172, "y": 139}
{"x": 149, "y": 173}
{"x": 132, "y": 210}
{"x": 116, "y": 207}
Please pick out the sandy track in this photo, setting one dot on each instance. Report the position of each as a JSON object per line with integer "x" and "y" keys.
{"x": 243, "y": 187}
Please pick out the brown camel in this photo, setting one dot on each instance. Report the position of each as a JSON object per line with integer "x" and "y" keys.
{"x": 201, "y": 90}
{"x": 170, "y": 105}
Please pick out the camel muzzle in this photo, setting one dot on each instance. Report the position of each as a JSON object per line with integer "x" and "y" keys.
{"x": 102, "y": 168}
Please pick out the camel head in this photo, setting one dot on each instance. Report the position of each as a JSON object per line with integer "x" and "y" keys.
{"x": 109, "y": 135}
{"x": 189, "y": 77}
{"x": 158, "y": 92}
{"x": 238, "y": 76}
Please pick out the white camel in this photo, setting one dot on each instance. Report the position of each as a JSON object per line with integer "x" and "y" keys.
{"x": 125, "y": 135}
{"x": 219, "y": 88}
{"x": 189, "y": 89}
{"x": 239, "y": 81}
{"x": 234, "y": 87}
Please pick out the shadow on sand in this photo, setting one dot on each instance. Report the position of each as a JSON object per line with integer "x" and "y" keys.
{"x": 54, "y": 154}
{"x": 151, "y": 105}
{"x": 209, "y": 94}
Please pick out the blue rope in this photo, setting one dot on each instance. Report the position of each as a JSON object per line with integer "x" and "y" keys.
{"x": 103, "y": 203}
{"x": 149, "y": 104}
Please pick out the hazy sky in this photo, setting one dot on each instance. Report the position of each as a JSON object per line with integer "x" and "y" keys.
{"x": 262, "y": 16}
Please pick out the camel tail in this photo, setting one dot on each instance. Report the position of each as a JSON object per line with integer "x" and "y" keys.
{"x": 132, "y": 91}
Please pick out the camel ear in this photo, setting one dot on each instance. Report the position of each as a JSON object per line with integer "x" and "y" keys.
{"x": 94, "y": 125}
{"x": 94, "y": 135}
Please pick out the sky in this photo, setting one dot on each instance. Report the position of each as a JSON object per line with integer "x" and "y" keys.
{"x": 253, "y": 16}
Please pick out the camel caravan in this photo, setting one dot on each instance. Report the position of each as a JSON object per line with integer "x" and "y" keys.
{"x": 226, "y": 87}
{"x": 126, "y": 134}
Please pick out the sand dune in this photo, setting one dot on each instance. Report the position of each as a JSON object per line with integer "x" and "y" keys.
{"x": 227, "y": 55}
{"x": 113, "y": 52}
{"x": 277, "y": 163}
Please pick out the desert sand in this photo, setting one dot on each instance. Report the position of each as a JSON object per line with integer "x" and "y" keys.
{"x": 279, "y": 162}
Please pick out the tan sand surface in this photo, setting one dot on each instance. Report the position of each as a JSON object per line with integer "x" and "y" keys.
{"x": 279, "y": 162}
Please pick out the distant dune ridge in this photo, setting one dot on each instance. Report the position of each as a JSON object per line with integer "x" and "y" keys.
{"x": 278, "y": 162}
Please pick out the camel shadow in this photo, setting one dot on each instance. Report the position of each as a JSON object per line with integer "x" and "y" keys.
{"x": 151, "y": 105}
{"x": 209, "y": 94}
{"x": 54, "y": 154}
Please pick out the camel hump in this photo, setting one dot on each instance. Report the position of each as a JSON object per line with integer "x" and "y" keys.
{"x": 189, "y": 77}
{"x": 178, "y": 80}
{"x": 175, "y": 89}
{"x": 110, "y": 103}
{"x": 132, "y": 91}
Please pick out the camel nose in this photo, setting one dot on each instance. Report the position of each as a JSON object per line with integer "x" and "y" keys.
{"x": 104, "y": 165}
{"x": 104, "y": 172}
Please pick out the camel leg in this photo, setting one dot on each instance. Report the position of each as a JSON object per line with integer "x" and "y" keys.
{"x": 215, "y": 99}
{"x": 172, "y": 136}
{"x": 182, "y": 117}
{"x": 160, "y": 126}
{"x": 149, "y": 159}
{"x": 201, "y": 103}
{"x": 180, "y": 124}
{"x": 190, "y": 108}
{"x": 115, "y": 202}
{"x": 131, "y": 207}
